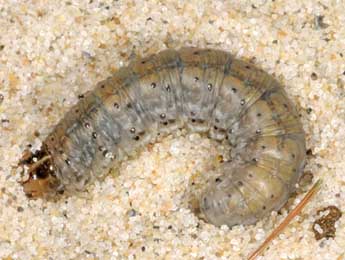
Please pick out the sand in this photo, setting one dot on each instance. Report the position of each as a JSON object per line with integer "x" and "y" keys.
{"x": 52, "y": 51}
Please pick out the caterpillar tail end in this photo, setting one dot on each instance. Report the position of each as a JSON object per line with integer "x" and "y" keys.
{"x": 218, "y": 208}
{"x": 226, "y": 204}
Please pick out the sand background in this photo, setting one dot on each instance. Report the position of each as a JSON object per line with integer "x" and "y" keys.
{"x": 53, "y": 51}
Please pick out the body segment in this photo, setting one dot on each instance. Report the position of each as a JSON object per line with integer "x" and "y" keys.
{"x": 207, "y": 91}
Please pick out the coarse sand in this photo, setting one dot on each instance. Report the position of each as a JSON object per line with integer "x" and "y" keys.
{"x": 53, "y": 51}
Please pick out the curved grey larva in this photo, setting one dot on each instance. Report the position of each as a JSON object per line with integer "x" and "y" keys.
{"x": 207, "y": 91}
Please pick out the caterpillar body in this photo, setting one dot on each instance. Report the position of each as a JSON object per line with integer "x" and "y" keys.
{"x": 207, "y": 91}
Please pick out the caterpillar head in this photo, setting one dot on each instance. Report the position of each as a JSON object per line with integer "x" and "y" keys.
{"x": 41, "y": 180}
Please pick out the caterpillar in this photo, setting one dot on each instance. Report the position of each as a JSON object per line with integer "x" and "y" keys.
{"x": 204, "y": 90}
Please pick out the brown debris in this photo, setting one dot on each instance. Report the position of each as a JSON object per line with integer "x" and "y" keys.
{"x": 326, "y": 223}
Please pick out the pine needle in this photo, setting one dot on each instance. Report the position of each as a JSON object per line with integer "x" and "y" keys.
{"x": 287, "y": 220}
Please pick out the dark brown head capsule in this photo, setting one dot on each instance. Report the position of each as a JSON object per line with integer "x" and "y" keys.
{"x": 41, "y": 180}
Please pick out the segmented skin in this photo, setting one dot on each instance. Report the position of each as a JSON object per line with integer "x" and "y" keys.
{"x": 207, "y": 91}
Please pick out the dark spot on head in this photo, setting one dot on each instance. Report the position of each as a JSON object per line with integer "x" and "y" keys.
{"x": 285, "y": 105}
{"x": 77, "y": 110}
{"x": 264, "y": 207}
{"x": 81, "y": 96}
{"x": 193, "y": 120}
{"x": 42, "y": 174}
{"x": 272, "y": 196}
{"x": 258, "y": 114}
{"x": 215, "y": 128}
{"x": 263, "y": 147}
{"x": 309, "y": 152}
{"x": 247, "y": 67}
{"x": 250, "y": 175}
{"x": 136, "y": 138}
{"x": 293, "y": 155}
{"x": 165, "y": 123}
{"x": 196, "y": 53}
{"x": 234, "y": 90}
{"x": 129, "y": 105}
{"x": 143, "y": 61}
{"x": 102, "y": 86}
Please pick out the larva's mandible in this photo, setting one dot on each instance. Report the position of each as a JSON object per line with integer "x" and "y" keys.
{"x": 207, "y": 91}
